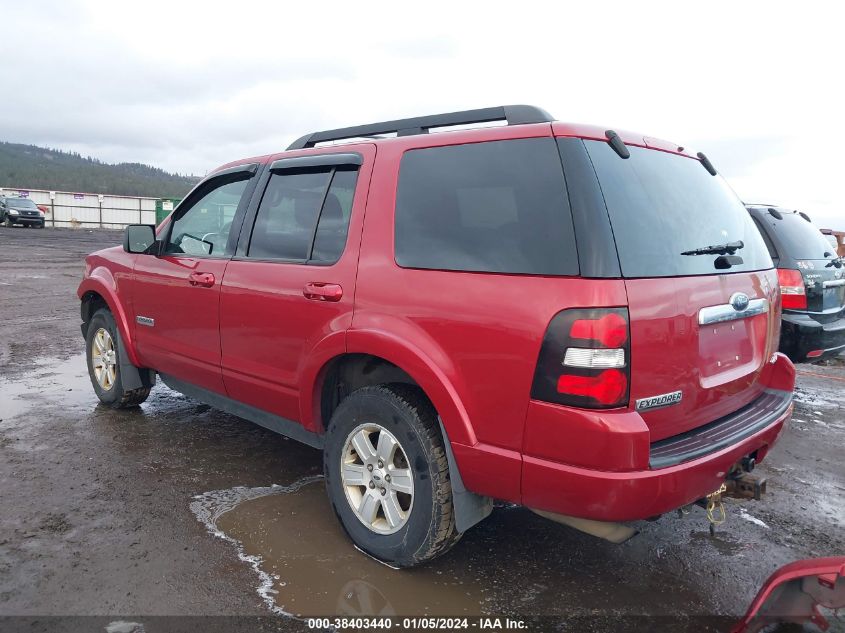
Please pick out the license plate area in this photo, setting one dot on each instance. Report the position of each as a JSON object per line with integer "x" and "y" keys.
{"x": 731, "y": 349}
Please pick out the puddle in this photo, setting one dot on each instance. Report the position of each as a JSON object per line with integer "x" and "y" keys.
{"x": 62, "y": 383}
{"x": 722, "y": 541}
{"x": 308, "y": 566}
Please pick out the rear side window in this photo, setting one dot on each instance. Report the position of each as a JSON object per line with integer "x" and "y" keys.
{"x": 499, "y": 207}
{"x": 662, "y": 205}
{"x": 304, "y": 216}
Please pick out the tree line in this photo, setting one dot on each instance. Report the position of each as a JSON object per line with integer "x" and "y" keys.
{"x": 32, "y": 167}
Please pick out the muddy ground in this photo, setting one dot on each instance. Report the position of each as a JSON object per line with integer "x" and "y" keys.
{"x": 176, "y": 509}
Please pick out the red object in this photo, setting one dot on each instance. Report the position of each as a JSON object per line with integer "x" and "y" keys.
{"x": 815, "y": 353}
{"x": 794, "y": 593}
{"x": 792, "y": 289}
{"x": 268, "y": 333}
{"x": 322, "y": 292}
{"x": 610, "y": 330}
{"x": 606, "y": 388}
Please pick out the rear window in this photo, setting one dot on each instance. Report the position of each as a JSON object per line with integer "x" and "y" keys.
{"x": 798, "y": 238}
{"x": 662, "y": 204}
{"x": 499, "y": 206}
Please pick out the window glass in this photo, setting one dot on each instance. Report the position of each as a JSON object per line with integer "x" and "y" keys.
{"x": 662, "y": 204}
{"x": 499, "y": 206}
{"x": 287, "y": 215}
{"x": 769, "y": 246}
{"x": 290, "y": 213}
{"x": 334, "y": 218}
{"x": 798, "y": 237}
{"x": 203, "y": 229}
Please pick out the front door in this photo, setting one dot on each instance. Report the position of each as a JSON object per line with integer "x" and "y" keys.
{"x": 177, "y": 293}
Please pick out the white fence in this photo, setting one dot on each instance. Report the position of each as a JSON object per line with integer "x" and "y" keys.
{"x": 65, "y": 208}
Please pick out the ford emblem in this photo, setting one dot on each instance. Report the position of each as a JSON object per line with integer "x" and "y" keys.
{"x": 739, "y": 301}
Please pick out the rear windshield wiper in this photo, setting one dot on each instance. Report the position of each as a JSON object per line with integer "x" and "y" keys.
{"x": 718, "y": 249}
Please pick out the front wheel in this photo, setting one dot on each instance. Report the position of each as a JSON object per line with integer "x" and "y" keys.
{"x": 101, "y": 346}
{"x": 387, "y": 475}
{"x": 9, "y": 222}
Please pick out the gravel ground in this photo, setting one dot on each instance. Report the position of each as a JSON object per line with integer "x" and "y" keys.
{"x": 96, "y": 515}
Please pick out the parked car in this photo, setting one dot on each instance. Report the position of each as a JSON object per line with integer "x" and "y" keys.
{"x": 21, "y": 211}
{"x": 812, "y": 283}
{"x": 599, "y": 347}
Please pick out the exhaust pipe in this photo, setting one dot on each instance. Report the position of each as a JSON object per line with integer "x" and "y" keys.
{"x": 613, "y": 532}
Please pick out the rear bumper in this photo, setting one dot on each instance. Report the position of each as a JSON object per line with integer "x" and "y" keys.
{"x": 597, "y": 464}
{"x": 628, "y": 496}
{"x": 801, "y": 333}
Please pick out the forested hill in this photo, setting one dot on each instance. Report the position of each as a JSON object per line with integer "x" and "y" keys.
{"x": 28, "y": 166}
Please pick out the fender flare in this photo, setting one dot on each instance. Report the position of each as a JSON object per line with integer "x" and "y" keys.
{"x": 455, "y": 425}
{"x": 102, "y": 283}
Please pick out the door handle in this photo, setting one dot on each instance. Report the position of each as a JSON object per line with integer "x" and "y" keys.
{"x": 206, "y": 280}
{"x": 322, "y": 292}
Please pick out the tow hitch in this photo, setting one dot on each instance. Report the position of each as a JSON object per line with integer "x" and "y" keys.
{"x": 741, "y": 483}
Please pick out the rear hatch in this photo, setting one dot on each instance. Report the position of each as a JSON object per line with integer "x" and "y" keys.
{"x": 702, "y": 323}
{"x": 803, "y": 247}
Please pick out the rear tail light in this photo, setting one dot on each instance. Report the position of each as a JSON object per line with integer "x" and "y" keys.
{"x": 585, "y": 359}
{"x": 793, "y": 293}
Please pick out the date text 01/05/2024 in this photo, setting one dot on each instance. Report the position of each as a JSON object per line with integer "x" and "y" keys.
{"x": 418, "y": 623}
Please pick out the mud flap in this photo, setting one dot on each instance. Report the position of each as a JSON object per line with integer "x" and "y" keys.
{"x": 470, "y": 508}
{"x": 132, "y": 377}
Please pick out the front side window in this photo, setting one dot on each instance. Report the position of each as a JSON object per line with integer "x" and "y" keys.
{"x": 203, "y": 228}
{"x": 304, "y": 216}
{"x": 498, "y": 206}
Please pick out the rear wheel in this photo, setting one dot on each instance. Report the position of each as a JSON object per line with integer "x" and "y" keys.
{"x": 387, "y": 475}
{"x": 101, "y": 345}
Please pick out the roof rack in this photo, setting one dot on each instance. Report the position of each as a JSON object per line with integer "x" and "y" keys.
{"x": 513, "y": 114}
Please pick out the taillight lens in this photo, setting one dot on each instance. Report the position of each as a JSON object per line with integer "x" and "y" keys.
{"x": 585, "y": 359}
{"x": 792, "y": 290}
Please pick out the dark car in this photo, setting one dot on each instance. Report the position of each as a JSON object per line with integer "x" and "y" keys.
{"x": 21, "y": 211}
{"x": 812, "y": 283}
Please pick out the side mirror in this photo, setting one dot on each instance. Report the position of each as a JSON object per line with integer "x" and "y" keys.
{"x": 139, "y": 238}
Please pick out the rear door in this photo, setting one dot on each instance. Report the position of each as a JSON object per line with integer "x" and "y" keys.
{"x": 701, "y": 325}
{"x": 292, "y": 281}
{"x": 176, "y": 297}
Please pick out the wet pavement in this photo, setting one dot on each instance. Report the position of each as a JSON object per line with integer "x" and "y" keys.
{"x": 178, "y": 509}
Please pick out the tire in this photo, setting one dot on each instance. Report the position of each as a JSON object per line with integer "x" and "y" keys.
{"x": 9, "y": 222}
{"x": 102, "y": 336}
{"x": 425, "y": 527}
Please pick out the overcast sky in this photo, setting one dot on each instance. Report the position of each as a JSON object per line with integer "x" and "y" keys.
{"x": 189, "y": 85}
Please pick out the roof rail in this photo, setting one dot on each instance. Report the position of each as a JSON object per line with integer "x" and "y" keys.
{"x": 513, "y": 114}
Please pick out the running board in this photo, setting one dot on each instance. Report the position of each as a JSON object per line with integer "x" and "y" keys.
{"x": 270, "y": 421}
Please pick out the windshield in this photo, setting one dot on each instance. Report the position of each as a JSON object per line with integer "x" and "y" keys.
{"x": 21, "y": 203}
{"x": 799, "y": 238}
{"x": 662, "y": 205}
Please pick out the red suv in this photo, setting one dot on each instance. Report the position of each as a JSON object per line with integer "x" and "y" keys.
{"x": 580, "y": 321}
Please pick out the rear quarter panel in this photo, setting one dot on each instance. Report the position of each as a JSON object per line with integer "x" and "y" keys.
{"x": 482, "y": 332}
